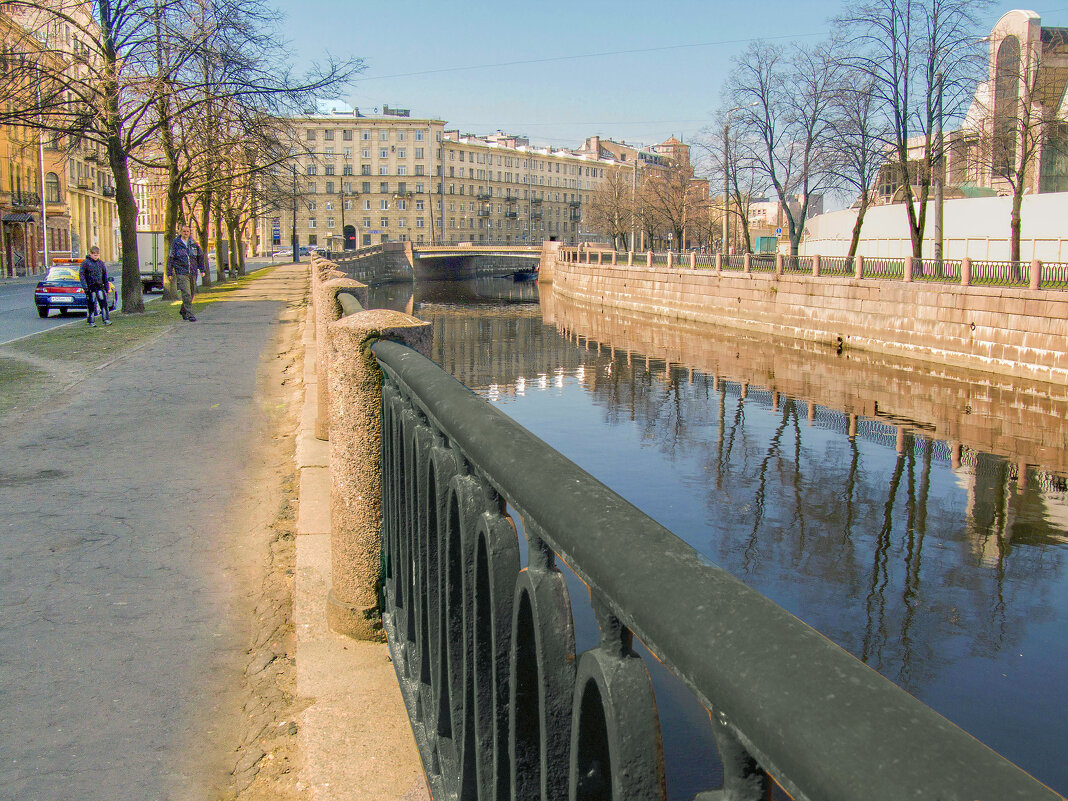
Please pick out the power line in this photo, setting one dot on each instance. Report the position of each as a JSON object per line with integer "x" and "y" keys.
{"x": 586, "y": 55}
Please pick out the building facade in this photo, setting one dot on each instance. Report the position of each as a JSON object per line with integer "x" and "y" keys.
{"x": 363, "y": 180}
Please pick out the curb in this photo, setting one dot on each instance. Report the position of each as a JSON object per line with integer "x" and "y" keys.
{"x": 354, "y": 737}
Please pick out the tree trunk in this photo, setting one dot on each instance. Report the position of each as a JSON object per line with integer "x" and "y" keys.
{"x": 1015, "y": 223}
{"x": 203, "y": 232}
{"x": 854, "y": 241}
{"x": 220, "y": 249}
{"x": 133, "y": 301}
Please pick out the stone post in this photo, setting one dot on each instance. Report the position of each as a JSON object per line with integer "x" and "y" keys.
{"x": 614, "y": 258}
{"x": 630, "y": 258}
{"x": 328, "y": 310}
{"x": 649, "y": 258}
{"x": 778, "y": 265}
{"x": 719, "y": 264}
{"x": 816, "y": 265}
{"x": 746, "y": 264}
{"x": 1036, "y": 274}
{"x": 355, "y": 465}
{"x": 858, "y": 267}
{"x": 671, "y": 259}
{"x": 600, "y": 257}
{"x": 908, "y": 268}
{"x": 965, "y": 271}
{"x": 693, "y": 259}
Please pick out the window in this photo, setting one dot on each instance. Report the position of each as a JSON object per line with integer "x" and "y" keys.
{"x": 329, "y": 187}
{"x": 365, "y": 169}
{"x": 365, "y": 187}
{"x": 419, "y": 205}
{"x": 402, "y": 223}
{"x": 401, "y": 136}
{"x": 329, "y": 205}
{"x": 366, "y": 222}
{"x": 346, "y": 170}
{"x": 419, "y": 136}
{"x": 329, "y": 137}
{"x": 311, "y": 205}
{"x": 52, "y": 188}
{"x": 402, "y": 188}
{"x": 385, "y": 222}
{"x": 419, "y": 169}
{"x": 383, "y": 205}
{"x": 402, "y": 204}
{"x": 383, "y": 188}
{"x": 402, "y": 153}
{"x": 383, "y": 170}
{"x": 365, "y": 152}
{"x": 346, "y": 135}
{"x": 310, "y": 135}
{"x": 383, "y": 152}
{"x": 365, "y": 136}
{"x": 366, "y": 204}
{"x": 311, "y": 222}
{"x": 348, "y": 205}
{"x": 419, "y": 153}
{"x": 330, "y": 222}
{"x": 419, "y": 222}
{"x": 328, "y": 152}
{"x": 329, "y": 169}
{"x": 383, "y": 136}
{"x": 402, "y": 170}
{"x": 313, "y": 239}
{"x": 312, "y": 169}
{"x": 348, "y": 152}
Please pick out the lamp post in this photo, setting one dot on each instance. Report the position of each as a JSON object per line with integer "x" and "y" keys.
{"x": 726, "y": 172}
{"x": 296, "y": 250}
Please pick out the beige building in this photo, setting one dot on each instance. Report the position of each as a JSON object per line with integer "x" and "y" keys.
{"x": 365, "y": 180}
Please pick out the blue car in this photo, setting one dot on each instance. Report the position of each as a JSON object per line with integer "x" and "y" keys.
{"x": 62, "y": 289}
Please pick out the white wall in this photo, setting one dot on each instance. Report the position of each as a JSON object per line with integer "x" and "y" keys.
{"x": 973, "y": 227}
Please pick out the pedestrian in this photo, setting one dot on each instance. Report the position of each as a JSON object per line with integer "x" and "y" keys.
{"x": 184, "y": 264}
{"x": 94, "y": 278}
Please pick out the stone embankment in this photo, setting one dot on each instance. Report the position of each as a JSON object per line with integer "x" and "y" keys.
{"x": 1003, "y": 330}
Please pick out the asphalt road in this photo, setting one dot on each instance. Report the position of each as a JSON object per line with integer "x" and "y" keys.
{"x": 118, "y": 575}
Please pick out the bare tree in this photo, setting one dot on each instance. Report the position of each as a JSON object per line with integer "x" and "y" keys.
{"x": 672, "y": 196}
{"x": 784, "y": 96}
{"x": 921, "y": 57}
{"x": 611, "y": 207}
{"x": 859, "y": 134}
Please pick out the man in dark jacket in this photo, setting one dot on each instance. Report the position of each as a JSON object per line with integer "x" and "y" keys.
{"x": 94, "y": 277}
{"x": 184, "y": 264}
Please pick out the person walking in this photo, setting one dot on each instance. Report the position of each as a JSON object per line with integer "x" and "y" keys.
{"x": 94, "y": 278}
{"x": 184, "y": 264}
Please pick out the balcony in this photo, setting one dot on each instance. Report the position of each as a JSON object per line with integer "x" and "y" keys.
{"x": 511, "y": 214}
{"x": 574, "y": 203}
{"x": 576, "y": 215}
{"x": 91, "y": 155}
{"x": 108, "y": 191}
{"x": 535, "y": 201}
{"x": 511, "y": 198}
{"x": 85, "y": 182}
{"x": 535, "y": 214}
{"x": 25, "y": 200}
{"x": 483, "y": 212}
{"x": 482, "y": 195}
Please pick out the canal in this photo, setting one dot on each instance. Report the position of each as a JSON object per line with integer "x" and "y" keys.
{"x": 916, "y": 517}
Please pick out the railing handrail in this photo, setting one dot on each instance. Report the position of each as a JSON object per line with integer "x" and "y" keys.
{"x": 825, "y": 725}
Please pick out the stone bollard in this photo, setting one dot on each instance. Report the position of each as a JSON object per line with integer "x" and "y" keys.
{"x": 858, "y": 267}
{"x": 1036, "y": 274}
{"x": 352, "y": 606}
{"x": 778, "y": 265}
{"x": 630, "y": 258}
{"x": 719, "y": 264}
{"x": 614, "y": 257}
{"x": 746, "y": 263}
{"x": 671, "y": 259}
{"x": 816, "y": 265}
{"x": 693, "y": 259}
{"x": 327, "y": 311}
{"x": 649, "y": 258}
{"x": 965, "y": 271}
{"x": 908, "y": 268}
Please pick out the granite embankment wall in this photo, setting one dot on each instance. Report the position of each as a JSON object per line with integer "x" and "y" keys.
{"x": 1010, "y": 331}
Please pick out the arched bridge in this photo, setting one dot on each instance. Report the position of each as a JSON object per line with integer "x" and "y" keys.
{"x": 438, "y": 261}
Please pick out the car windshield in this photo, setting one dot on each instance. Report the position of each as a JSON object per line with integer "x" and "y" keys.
{"x": 62, "y": 274}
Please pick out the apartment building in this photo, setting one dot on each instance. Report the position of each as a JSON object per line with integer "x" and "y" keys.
{"x": 366, "y": 179}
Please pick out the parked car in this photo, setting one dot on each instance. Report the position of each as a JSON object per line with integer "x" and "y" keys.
{"x": 305, "y": 250}
{"x": 62, "y": 289}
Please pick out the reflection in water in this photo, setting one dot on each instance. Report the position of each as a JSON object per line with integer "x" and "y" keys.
{"x": 928, "y": 540}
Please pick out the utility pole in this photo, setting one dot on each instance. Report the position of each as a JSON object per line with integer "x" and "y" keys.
{"x": 296, "y": 250}
{"x": 939, "y": 178}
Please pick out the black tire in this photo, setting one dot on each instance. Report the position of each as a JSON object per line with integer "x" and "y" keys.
{"x": 62, "y": 312}
{"x": 42, "y": 311}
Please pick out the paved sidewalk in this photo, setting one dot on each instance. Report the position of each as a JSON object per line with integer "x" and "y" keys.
{"x": 135, "y": 513}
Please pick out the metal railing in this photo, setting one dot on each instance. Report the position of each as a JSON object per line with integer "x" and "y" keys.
{"x": 484, "y": 648}
{"x": 1052, "y": 275}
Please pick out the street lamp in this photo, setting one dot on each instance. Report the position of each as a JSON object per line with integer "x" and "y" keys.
{"x": 726, "y": 171}
{"x": 296, "y": 250}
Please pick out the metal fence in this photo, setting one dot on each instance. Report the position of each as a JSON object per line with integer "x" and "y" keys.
{"x": 1052, "y": 275}
{"x": 484, "y": 647}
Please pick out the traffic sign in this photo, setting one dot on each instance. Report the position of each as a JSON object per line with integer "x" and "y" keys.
{"x": 778, "y": 232}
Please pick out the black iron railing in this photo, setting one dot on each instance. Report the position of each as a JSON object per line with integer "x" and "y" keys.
{"x": 484, "y": 648}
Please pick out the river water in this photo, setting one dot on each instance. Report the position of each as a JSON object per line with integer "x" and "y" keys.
{"x": 918, "y": 517}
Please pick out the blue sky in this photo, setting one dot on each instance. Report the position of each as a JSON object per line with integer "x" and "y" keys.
{"x": 662, "y": 77}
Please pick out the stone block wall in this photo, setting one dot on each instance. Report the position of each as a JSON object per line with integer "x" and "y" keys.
{"x": 1012, "y": 331}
